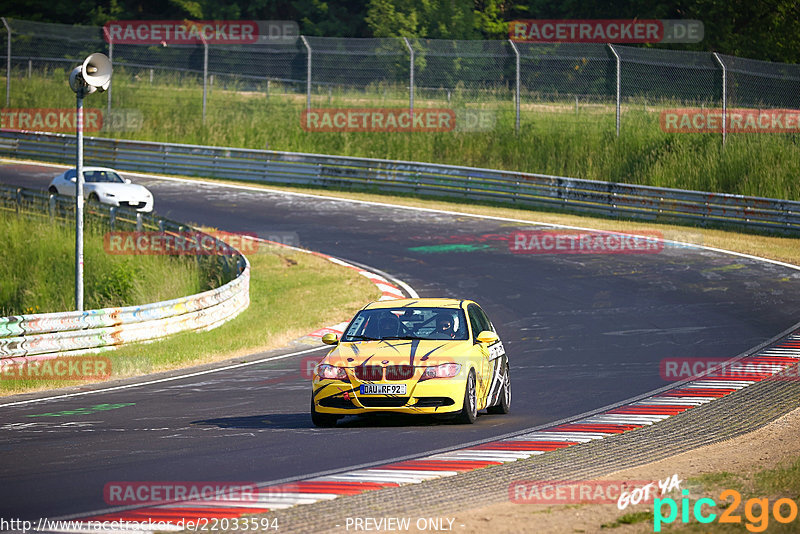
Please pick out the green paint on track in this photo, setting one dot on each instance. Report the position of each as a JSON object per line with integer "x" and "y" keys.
{"x": 85, "y": 411}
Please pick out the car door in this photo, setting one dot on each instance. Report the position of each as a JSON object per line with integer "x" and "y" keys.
{"x": 479, "y": 322}
{"x": 66, "y": 186}
{"x": 496, "y": 363}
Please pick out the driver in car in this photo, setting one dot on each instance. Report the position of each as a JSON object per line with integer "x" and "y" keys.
{"x": 389, "y": 326}
{"x": 445, "y": 327}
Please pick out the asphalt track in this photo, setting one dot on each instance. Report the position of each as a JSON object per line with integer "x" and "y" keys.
{"x": 582, "y": 331}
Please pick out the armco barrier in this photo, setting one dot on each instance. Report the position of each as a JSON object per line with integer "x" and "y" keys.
{"x": 70, "y": 333}
{"x": 523, "y": 189}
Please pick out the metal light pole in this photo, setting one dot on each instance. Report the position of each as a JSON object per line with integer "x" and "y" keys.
{"x": 79, "y": 203}
{"x": 93, "y": 75}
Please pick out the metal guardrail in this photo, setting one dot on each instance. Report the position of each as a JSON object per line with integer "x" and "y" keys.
{"x": 46, "y": 335}
{"x": 611, "y": 199}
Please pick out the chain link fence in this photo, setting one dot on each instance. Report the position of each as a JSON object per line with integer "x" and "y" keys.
{"x": 522, "y": 80}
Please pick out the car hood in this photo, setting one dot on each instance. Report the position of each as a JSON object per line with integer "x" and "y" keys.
{"x": 398, "y": 352}
{"x": 121, "y": 190}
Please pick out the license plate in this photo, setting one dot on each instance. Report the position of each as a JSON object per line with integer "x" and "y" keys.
{"x": 383, "y": 389}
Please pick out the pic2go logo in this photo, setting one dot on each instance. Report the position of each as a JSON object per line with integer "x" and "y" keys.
{"x": 756, "y": 511}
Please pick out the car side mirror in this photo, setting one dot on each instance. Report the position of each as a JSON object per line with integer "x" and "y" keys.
{"x": 330, "y": 339}
{"x": 488, "y": 337}
{"x": 73, "y": 179}
{"x": 127, "y": 180}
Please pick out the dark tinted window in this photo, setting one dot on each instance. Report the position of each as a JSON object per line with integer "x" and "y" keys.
{"x": 97, "y": 177}
{"x": 478, "y": 320}
{"x": 407, "y": 323}
{"x": 102, "y": 177}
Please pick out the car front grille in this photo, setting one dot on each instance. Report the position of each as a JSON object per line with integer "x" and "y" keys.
{"x": 399, "y": 372}
{"x": 369, "y": 372}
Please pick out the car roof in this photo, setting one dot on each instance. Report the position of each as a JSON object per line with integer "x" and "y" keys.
{"x": 418, "y": 303}
{"x": 85, "y": 169}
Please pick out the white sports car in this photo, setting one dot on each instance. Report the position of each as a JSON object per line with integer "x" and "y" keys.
{"x": 102, "y": 184}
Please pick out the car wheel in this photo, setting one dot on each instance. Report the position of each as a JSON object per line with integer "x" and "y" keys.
{"x": 469, "y": 412}
{"x": 93, "y": 198}
{"x": 53, "y": 190}
{"x": 324, "y": 420}
{"x": 505, "y": 395}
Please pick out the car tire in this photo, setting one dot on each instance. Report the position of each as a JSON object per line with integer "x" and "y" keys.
{"x": 323, "y": 420}
{"x": 53, "y": 190}
{"x": 469, "y": 412}
{"x": 93, "y": 198}
{"x": 504, "y": 406}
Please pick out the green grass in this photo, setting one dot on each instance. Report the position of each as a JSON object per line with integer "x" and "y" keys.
{"x": 554, "y": 138}
{"x": 37, "y": 273}
{"x": 783, "y": 481}
{"x": 722, "y": 478}
{"x": 291, "y": 294}
{"x": 629, "y": 519}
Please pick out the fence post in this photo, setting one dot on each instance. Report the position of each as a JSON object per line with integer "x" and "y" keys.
{"x": 724, "y": 97}
{"x": 111, "y": 59}
{"x": 8, "y": 63}
{"x": 516, "y": 93}
{"x": 619, "y": 79}
{"x": 205, "y": 75}
{"x": 308, "y": 71}
{"x": 410, "y": 76}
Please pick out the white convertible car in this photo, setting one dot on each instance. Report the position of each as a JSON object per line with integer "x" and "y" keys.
{"x": 102, "y": 184}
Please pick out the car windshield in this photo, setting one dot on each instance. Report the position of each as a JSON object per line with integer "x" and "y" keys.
{"x": 407, "y": 323}
{"x": 97, "y": 176}
{"x": 108, "y": 177}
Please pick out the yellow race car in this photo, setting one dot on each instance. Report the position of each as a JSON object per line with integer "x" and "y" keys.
{"x": 413, "y": 356}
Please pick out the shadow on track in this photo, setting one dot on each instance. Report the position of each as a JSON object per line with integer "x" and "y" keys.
{"x": 303, "y": 420}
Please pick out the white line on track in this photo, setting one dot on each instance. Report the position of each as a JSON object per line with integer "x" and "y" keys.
{"x": 161, "y": 380}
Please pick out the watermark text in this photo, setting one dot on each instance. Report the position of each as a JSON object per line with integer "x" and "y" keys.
{"x": 63, "y": 368}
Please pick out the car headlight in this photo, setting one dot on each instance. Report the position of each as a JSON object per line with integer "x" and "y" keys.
{"x": 331, "y": 372}
{"x": 445, "y": 370}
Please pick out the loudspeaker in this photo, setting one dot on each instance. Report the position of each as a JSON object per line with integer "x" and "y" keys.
{"x": 93, "y": 75}
{"x": 97, "y": 71}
